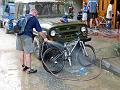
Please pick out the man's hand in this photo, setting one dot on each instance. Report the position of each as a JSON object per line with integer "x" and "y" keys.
{"x": 43, "y": 36}
{"x": 46, "y": 40}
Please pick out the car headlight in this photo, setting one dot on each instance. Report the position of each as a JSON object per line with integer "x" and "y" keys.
{"x": 52, "y": 33}
{"x": 83, "y": 29}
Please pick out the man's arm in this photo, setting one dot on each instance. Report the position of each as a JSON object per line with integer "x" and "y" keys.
{"x": 43, "y": 36}
{"x": 39, "y": 30}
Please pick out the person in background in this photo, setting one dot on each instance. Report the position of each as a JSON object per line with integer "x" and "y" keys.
{"x": 88, "y": 17}
{"x": 71, "y": 11}
{"x": 64, "y": 19}
{"x": 24, "y": 42}
{"x": 84, "y": 12}
{"x": 79, "y": 16}
{"x": 118, "y": 17}
{"x": 109, "y": 14}
{"x": 92, "y": 4}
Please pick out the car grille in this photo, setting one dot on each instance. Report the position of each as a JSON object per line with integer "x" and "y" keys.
{"x": 67, "y": 33}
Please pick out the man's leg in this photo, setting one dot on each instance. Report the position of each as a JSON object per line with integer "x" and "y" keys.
{"x": 97, "y": 22}
{"x": 28, "y": 57}
{"x": 86, "y": 22}
{"x": 119, "y": 27}
{"x": 28, "y": 63}
{"x": 28, "y": 50}
{"x": 91, "y": 20}
{"x": 21, "y": 56}
{"x": 19, "y": 47}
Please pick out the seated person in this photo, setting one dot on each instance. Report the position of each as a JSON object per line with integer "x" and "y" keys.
{"x": 64, "y": 19}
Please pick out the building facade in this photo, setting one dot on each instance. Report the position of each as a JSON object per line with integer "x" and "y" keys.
{"x": 102, "y": 9}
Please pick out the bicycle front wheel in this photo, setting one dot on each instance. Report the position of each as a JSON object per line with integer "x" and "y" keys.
{"x": 87, "y": 55}
{"x": 53, "y": 60}
{"x": 91, "y": 53}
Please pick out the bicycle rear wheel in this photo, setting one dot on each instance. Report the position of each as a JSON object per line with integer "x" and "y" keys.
{"x": 53, "y": 60}
{"x": 87, "y": 56}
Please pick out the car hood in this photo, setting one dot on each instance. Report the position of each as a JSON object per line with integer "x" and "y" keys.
{"x": 48, "y": 23}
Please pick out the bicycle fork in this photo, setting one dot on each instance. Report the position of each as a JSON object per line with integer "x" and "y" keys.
{"x": 83, "y": 48}
{"x": 68, "y": 53}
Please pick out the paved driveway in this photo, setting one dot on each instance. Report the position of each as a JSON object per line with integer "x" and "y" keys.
{"x": 12, "y": 78}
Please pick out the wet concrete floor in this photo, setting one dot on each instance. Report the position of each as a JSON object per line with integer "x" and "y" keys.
{"x": 13, "y": 78}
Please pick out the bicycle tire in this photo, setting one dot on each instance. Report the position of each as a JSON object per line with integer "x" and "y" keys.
{"x": 90, "y": 58}
{"x": 53, "y": 60}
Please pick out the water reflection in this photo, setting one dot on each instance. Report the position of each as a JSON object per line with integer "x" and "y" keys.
{"x": 9, "y": 73}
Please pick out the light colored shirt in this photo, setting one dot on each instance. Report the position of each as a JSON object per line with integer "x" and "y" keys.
{"x": 109, "y": 11}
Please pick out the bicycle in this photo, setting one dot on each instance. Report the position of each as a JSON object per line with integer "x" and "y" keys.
{"x": 102, "y": 22}
{"x": 54, "y": 58}
{"x": 99, "y": 22}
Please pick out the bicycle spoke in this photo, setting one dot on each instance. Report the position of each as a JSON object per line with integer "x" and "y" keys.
{"x": 89, "y": 58}
{"x": 53, "y": 59}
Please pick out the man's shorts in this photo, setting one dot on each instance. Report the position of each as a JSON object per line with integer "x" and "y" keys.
{"x": 118, "y": 19}
{"x": 24, "y": 43}
{"x": 93, "y": 15}
{"x": 84, "y": 17}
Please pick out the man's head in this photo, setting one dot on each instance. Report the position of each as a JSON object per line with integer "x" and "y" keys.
{"x": 111, "y": 1}
{"x": 84, "y": 3}
{"x": 34, "y": 12}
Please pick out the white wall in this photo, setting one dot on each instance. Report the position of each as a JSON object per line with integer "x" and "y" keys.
{"x": 1, "y": 10}
{"x": 77, "y": 6}
{"x": 27, "y": 1}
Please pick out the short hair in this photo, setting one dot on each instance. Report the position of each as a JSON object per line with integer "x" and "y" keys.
{"x": 85, "y": 3}
{"x": 111, "y": 1}
{"x": 33, "y": 10}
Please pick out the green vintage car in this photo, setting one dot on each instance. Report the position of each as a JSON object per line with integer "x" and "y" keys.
{"x": 49, "y": 14}
{"x": 60, "y": 32}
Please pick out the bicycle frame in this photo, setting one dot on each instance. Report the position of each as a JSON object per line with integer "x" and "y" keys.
{"x": 68, "y": 53}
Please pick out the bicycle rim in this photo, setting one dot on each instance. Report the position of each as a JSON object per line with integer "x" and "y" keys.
{"x": 91, "y": 53}
{"x": 89, "y": 58}
{"x": 53, "y": 60}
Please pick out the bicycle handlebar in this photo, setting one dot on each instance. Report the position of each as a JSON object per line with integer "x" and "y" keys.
{"x": 77, "y": 33}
